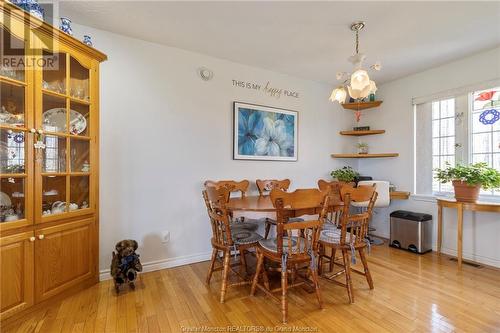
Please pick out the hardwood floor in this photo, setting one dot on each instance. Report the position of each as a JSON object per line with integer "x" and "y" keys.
{"x": 412, "y": 294}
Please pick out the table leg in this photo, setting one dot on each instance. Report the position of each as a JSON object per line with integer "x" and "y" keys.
{"x": 440, "y": 228}
{"x": 460, "y": 224}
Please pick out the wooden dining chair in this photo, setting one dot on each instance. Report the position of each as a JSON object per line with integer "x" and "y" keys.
{"x": 296, "y": 243}
{"x": 265, "y": 187}
{"x": 225, "y": 239}
{"x": 240, "y": 187}
{"x": 351, "y": 237}
{"x": 333, "y": 187}
{"x": 334, "y": 211}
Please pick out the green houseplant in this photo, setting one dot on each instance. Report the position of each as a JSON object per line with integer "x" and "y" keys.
{"x": 467, "y": 180}
{"x": 345, "y": 174}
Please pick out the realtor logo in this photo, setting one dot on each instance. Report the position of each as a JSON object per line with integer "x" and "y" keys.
{"x": 18, "y": 46}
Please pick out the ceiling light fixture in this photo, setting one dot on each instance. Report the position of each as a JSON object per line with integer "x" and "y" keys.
{"x": 358, "y": 84}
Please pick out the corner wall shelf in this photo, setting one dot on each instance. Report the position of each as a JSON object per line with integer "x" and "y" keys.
{"x": 362, "y": 133}
{"x": 357, "y": 106}
{"x": 381, "y": 155}
{"x": 399, "y": 195}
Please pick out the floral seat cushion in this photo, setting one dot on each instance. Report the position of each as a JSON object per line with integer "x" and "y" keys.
{"x": 329, "y": 226}
{"x": 271, "y": 244}
{"x": 243, "y": 237}
{"x": 332, "y": 235}
{"x": 293, "y": 219}
{"x": 247, "y": 224}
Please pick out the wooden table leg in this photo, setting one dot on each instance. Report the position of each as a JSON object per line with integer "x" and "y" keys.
{"x": 440, "y": 228}
{"x": 460, "y": 225}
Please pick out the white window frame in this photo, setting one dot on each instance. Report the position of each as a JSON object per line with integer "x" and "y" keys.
{"x": 492, "y": 195}
{"x": 463, "y": 114}
{"x": 440, "y": 137}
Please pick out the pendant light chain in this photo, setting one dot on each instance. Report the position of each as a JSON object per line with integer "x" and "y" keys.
{"x": 357, "y": 85}
{"x": 357, "y": 41}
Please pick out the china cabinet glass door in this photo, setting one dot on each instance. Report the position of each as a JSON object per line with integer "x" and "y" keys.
{"x": 16, "y": 118}
{"x": 64, "y": 137}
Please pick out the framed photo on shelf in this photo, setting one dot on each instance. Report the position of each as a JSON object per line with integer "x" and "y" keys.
{"x": 264, "y": 133}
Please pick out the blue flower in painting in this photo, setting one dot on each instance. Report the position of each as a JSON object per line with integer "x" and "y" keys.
{"x": 274, "y": 139}
{"x": 248, "y": 123}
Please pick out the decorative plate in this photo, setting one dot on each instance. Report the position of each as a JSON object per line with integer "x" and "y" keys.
{"x": 4, "y": 199}
{"x": 54, "y": 120}
{"x": 5, "y": 116}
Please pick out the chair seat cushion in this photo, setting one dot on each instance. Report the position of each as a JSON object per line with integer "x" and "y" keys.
{"x": 332, "y": 236}
{"x": 242, "y": 236}
{"x": 251, "y": 225}
{"x": 329, "y": 226}
{"x": 271, "y": 244}
{"x": 293, "y": 219}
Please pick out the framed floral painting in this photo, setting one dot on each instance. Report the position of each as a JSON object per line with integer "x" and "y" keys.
{"x": 264, "y": 133}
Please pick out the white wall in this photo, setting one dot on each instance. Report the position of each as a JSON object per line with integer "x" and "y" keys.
{"x": 164, "y": 131}
{"x": 481, "y": 230}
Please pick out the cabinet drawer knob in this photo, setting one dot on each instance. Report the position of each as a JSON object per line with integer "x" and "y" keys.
{"x": 32, "y": 238}
{"x": 41, "y": 236}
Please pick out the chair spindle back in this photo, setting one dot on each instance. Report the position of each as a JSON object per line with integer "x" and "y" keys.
{"x": 299, "y": 238}
{"x": 356, "y": 223}
{"x": 267, "y": 185}
{"x": 232, "y": 185}
{"x": 215, "y": 200}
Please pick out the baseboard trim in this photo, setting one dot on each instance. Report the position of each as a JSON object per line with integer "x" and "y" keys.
{"x": 164, "y": 263}
{"x": 471, "y": 257}
{"x": 452, "y": 252}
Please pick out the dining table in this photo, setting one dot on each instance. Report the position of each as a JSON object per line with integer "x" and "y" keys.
{"x": 263, "y": 203}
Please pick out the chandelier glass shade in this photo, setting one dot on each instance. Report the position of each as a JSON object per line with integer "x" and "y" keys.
{"x": 339, "y": 94}
{"x": 358, "y": 84}
{"x": 359, "y": 93}
{"x": 360, "y": 79}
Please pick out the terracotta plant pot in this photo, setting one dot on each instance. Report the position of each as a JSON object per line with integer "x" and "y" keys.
{"x": 342, "y": 183}
{"x": 465, "y": 192}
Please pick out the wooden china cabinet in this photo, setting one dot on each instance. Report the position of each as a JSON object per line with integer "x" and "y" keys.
{"x": 49, "y": 162}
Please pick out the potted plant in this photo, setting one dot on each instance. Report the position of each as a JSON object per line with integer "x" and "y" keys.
{"x": 345, "y": 175}
{"x": 362, "y": 148}
{"x": 468, "y": 180}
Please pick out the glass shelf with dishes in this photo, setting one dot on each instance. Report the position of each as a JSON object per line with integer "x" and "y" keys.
{"x": 12, "y": 200}
{"x": 13, "y": 56}
{"x": 54, "y": 73}
{"x": 12, "y": 105}
{"x": 15, "y": 159}
{"x": 13, "y": 175}
{"x": 66, "y": 124}
{"x": 79, "y": 88}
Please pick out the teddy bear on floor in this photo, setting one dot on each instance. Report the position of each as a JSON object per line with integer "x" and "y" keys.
{"x": 125, "y": 263}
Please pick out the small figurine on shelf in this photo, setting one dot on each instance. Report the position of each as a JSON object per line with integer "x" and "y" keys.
{"x": 32, "y": 7}
{"x": 66, "y": 26}
{"x": 125, "y": 263}
{"x": 87, "y": 40}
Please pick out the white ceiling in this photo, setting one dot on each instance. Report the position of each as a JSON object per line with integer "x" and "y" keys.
{"x": 306, "y": 39}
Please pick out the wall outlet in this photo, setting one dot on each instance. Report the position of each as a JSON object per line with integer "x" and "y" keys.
{"x": 165, "y": 236}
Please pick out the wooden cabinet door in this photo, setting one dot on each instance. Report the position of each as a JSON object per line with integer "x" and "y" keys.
{"x": 16, "y": 273}
{"x": 64, "y": 257}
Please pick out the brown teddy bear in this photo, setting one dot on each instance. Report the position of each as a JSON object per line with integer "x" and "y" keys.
{"x": 125, "y": 263}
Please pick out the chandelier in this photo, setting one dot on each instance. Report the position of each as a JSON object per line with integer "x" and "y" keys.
{"x": 358, "y": 83}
